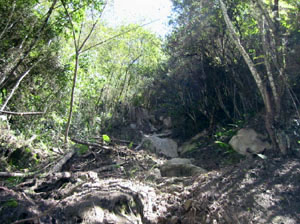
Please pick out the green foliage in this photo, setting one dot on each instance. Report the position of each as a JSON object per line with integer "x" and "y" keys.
{"x": 197, "y": 77}
{"x": 226, "y": 132}
{"x": 113, "y": 75}
{"x": 12, "y": 203}
{"x": 106, "y": 138}
{"x": 225, "y": 146}
{"x": 82, "y": 149}
{"x": 130, "y": 145}
{"x": 13, "y": 181}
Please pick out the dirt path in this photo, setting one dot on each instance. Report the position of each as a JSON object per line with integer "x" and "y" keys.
{"x": 119, "y": 185}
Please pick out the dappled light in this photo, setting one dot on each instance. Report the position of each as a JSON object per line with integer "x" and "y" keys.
{"x": 149, "y": 111}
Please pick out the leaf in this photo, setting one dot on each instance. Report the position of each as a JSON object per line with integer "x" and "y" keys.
{"x": 106, "y": 138}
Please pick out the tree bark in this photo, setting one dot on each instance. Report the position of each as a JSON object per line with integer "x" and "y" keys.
{"x": 78, "y": 49}
{"x": 72, "y": 97}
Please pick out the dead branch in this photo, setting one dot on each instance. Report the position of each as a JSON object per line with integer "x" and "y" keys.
{"x": 9, "y": 174}
{"x": 21, "y": 113}
{"x": 140, "y": 145}
{"x": 118, "y": 140}
{"x": 90, "y": 144}
{"x": 62, "y": 162}
{"x": 108, "y": 167}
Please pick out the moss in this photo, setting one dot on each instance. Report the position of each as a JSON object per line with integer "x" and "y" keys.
{"x": 82, "y": 149}
{"x": 11, "y": 203}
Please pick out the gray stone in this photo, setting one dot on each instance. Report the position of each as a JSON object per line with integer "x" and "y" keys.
{"x": 178, "y": 161}
{"x": 161, "y": 146}
{"x": 178, "y": 167}
{"x": 247, "y": 142}
{"x": 167, "y": 122}
{"x": 154, "y": 174}
{"x": 132, "y": 126}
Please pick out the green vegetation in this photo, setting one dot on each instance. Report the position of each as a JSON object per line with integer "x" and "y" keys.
{"x": 106, "y": 138}
{"x": 13, "y": 181}
{"x": 82, "y": 149}
{"x": 198, "y": 75}
{"x": 11, "y": 203}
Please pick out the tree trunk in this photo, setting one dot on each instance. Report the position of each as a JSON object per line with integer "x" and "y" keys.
{"x": 72, "y": 97}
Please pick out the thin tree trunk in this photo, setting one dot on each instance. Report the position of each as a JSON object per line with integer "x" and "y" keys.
{"x": 78, "y": 49}
{"x": 9, "y": 19}
{"x": 267, "y": 59}
{"x": 17, "y": 85}
{"x": 72, "y": 97}
{"x": 234, "y": 36}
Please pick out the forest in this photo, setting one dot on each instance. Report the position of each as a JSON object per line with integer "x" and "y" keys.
{"x": 102, "y": 124}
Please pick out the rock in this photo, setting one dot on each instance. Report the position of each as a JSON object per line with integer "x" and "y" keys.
{"x": 154, "y": 174}
{"x": 187, "y": 205}
{"x": 178, "y": 161}
{"x": 174, "y": 220}
{"x": 161, "y": 146}
{"x": 248, "y": 141}
{"x": 283, "y": 219}
{"x": 132, "y": 126}
{"x": 167, "y": 122}
{"x": 178, "y": 167}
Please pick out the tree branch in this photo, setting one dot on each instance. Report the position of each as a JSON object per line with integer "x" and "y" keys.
{"x": 18, "y": 83}
{"x": 21, "y": 113}
{"x": 117, "y": 35}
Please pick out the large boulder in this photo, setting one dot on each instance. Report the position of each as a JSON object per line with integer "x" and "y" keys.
{"x": 161, "y": 146}
{"x": 178, "y": 167}
{"x": 248, "y": 141}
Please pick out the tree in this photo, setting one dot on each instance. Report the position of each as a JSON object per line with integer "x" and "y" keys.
{"x": 205, "y": 63}
{"x": 78, "y": 47}
{"x": 113, "y": 75}
{"x": 274, "y": 64}
{"x": 23, "y": 47}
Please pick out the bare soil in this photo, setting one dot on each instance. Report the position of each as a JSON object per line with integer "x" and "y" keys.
{"x": 117, "y": 185}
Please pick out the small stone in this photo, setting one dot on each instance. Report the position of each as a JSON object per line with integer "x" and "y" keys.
{"x": 187, "y": 205}
{"x": 174, "y": 220}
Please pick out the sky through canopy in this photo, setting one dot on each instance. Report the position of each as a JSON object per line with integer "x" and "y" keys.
{"x": 122, "y": 12}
